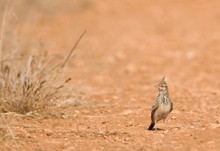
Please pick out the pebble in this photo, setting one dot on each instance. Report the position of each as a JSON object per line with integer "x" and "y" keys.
{"x": 127, "y": 112}
{"x": 115, "y": 97}
{"x": 173, "y": 117}
{"x": 213, "y": 125}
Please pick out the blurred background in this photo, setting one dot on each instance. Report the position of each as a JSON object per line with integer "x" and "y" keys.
{"x": 136, "y": 25}
{"x": 140, "y": 40}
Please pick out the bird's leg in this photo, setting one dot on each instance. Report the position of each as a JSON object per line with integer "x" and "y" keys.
{"x": 165, "y": 123}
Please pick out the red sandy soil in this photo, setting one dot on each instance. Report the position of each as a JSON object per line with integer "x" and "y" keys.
{"x": 129, "y": 46}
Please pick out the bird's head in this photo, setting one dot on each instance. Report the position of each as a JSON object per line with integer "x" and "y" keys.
{"x": 162, "y": 86}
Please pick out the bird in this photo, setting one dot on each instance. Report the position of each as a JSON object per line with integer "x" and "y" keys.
{"x": 162, "y": 106}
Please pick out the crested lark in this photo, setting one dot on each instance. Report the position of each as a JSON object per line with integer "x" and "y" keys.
{"x": 162, "y": 106}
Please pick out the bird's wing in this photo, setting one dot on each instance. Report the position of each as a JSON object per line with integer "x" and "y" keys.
{"x": 155, "y": 107}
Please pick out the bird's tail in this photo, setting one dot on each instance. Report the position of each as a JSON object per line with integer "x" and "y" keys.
{"x": 151, "y": 127}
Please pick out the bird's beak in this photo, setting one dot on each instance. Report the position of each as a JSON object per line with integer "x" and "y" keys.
{"x": 156, "y": 86}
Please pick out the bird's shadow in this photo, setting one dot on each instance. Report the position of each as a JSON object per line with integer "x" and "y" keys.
{"x": 161, "y": 129}
{"x": 157, "y": 129}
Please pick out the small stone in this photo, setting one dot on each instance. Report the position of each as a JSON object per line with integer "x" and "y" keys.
{"x": 115, "y": 97}
{"x": 130, "y": 124}
{"x": 103, "y": 122}
{"x": 213, "y": 125}
{"x": 176, "y": 128}
{"x": 173, "y": 117}
{"x": 127, "y": 112}
{"x": 76, "y": 112}
{"x": 210, "y": 142}
{"x": 64, "y": 116}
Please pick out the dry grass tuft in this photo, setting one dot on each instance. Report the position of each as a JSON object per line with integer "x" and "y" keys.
{"x": 32, "y": 87}
{"x": 5, "y": 127}
{"x": 28, "y": 85}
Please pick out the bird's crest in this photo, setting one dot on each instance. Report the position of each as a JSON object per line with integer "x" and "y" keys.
{"x": 162, "y": 82}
